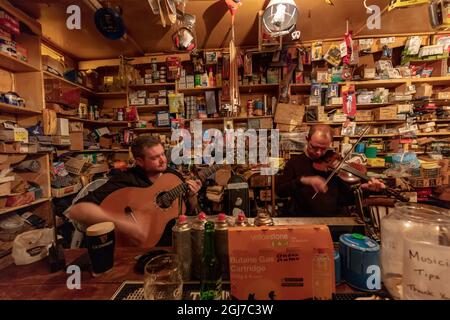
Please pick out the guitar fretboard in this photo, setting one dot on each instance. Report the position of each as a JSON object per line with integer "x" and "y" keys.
{"x": 184, "y": 187}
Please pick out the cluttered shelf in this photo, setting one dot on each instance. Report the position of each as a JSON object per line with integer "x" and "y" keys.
{"x": 258, "y": 87}
{"x": 155, "y": 86}
{"x": 380, "y": 122}
{"x": 197, "y": 89}
{"x": 220, "y": 119}
{"x": 11, "y": 209}
{"x": 112, "y": 95}
{"x": 152, "y": 107}
{"x": 99, "y": 122}
{"x": 49, "y": 75}
{"x": 160, "y": 129}
{"x": 15, "y": 65}
{"x": 385, "y": 135}
{"x": 7, "y": 108}
{"x": 388, "y": 83}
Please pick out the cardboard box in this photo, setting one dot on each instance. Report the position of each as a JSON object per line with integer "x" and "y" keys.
{"x": 335, "y": 101}
{"x": 105, "y": 142}
{"x": 61, "y": 140}
{"x": 369, "y": 73}
{"x": 76, "y": 141}
{"x": 53, "y": 65}
{"x": 291, "y": 114}
{"x": 364, "y": 115}
{"x": 405, "y": 89}
{"x": 424, "y": 90}
{"x": 62, "y": 127}
{"x": 265, "y": 123}
{"x": 385, "y": 113}
{"x": 75, "y": 126}
{"x": 277, "y": 259}
{"x": 404, "y": 108}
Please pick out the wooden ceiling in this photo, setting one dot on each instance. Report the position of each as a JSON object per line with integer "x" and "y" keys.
{"x": 317, "y": 20}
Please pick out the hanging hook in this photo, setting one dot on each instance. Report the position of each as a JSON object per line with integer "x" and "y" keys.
{"x": 365, "y": 6}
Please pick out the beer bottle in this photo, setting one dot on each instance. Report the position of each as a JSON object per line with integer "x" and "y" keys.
{"x": 211, "y": 273}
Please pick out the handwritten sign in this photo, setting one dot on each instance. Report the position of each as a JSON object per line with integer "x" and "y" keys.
{"x": 386, "y": 41}
{"x": 426, "y": 271}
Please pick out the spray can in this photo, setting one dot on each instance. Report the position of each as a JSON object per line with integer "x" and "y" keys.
{"x": 181, "y": 241}
{"x": 221, "y": 242}
{"x": 198, "y": 236}
{"x": 241, "y": 220}
{"x": 263, "y": 219}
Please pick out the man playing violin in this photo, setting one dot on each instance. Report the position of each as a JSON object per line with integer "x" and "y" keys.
{"x": 300, "y": 181}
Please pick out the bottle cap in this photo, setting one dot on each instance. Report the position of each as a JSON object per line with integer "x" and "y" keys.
{"x": 222, "y": 217}
{"x": 201, "y": 216}
{"x": 182, "y": 218}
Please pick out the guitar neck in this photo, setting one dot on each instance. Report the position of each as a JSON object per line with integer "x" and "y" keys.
{"x": 184, "y": 187}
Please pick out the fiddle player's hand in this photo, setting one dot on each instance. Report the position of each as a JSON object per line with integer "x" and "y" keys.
{"x": 316, "y": 182}
{"x": 373, "y": 185}
{"x": 194, "y": 186}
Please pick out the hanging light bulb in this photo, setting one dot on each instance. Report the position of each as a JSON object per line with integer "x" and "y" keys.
{"x": 280, "y": 17}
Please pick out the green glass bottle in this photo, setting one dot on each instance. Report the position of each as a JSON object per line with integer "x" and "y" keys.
{"x": 211, "y": 273}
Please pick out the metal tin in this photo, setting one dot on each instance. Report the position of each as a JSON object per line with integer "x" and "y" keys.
{"x": 221, "y": 242}
{"x": 360, "y": 259}
{"x": 197, "y": 237}
{"x": 182, "y": 245}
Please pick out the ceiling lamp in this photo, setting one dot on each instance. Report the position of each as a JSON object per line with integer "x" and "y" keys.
{"x": 184, "y": 38}
{"x": 280, "y": 17}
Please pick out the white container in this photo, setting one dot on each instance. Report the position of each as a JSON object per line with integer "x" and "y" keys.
{"x": 415, "y": 252}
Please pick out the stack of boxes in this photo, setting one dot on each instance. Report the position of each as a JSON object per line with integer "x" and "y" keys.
{"x": 9, "y": 28}
{"x": 191, "y": 107}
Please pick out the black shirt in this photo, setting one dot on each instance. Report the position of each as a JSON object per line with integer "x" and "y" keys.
{"x": 330, "y": 204}
{"x": 133, "y": 177}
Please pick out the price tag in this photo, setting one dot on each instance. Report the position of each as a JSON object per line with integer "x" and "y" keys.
{"x": 21, "y": 134}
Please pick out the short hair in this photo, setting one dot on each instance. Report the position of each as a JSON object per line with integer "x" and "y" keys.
{"x": 141, "y": 142}
{"x": 322, "y": 128}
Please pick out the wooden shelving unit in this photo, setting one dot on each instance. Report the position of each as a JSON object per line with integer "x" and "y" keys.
{"x": 194, "y": 91}
{"x": 65, "y": 82}
{"x": 111, "y": 95}
{"x": 161, "y": 129}
{"x": 7, "y": 108}
{"x": 8, "y": 210}
{"x": 152, "y": 86}
{"x": 218, "y": 120}
{"x": 15, "y": 65}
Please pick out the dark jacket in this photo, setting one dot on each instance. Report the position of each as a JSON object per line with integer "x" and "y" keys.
{"x": 330, "y": 204}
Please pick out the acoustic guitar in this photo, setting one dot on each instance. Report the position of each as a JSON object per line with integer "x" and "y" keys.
{"x": 152, "y": 207}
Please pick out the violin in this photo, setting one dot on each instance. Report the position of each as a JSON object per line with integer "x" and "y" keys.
{"x": 351, "y": 173}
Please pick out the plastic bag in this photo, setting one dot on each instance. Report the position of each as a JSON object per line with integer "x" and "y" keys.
{"x": 31, "y": 246}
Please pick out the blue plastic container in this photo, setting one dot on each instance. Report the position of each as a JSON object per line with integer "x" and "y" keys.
{"x": 360, "y": 257}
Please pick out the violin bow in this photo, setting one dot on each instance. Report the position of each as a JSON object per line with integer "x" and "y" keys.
{"x": 338, "y": 167}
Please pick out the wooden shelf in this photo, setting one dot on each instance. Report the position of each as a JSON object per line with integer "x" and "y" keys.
{"x": 153, "y": 107}
{"x": 83, "y": 89}
{"x": 361, "y": 106}
{"x": 161, "y": 129}
{"x": 258, "y": 87}
{"x": 99, "y": 122}
{"x": 218, "y": 120}
{"x": 7, "y": 108}
{"x": 112, "y": 95}
{"x": 386, "y": 83}
{"x": 380, "y": 122}
{"x": 433, "y": 120}
{"x": 6, "y": 210}
{"x": 94, "y": 150}
{"x": 197, "y": 90}
{"x": 155, "y": 86}
{"x": 385, "y": 135}
{"x": 15, "y": 65}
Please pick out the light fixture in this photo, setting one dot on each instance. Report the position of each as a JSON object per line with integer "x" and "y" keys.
{"x": 184, "y": 38}
{"x": 280, "y": 17}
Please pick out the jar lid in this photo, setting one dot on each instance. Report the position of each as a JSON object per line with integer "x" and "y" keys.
{"x": 423, "y": 213}
{"x": 359, "y": 242}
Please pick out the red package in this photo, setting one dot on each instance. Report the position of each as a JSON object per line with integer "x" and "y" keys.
{"x": 9, "y": 23}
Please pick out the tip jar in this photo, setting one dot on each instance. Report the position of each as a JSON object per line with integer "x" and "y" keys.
{"x": 415, "y": 252}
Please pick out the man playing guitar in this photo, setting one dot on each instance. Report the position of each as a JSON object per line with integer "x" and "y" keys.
{"x": 151, "y": 163}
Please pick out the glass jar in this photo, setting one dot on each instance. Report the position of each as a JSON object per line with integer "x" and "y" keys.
{"x": 415, "y": 252}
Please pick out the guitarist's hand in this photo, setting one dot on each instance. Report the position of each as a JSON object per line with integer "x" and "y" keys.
{"x": 194, "y": 186}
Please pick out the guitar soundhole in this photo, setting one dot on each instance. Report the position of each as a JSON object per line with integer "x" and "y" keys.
{"x": 163, "y": 200}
